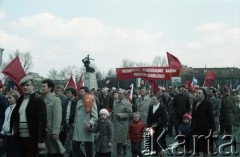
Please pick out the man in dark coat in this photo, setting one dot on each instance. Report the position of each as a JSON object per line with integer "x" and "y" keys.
{"x": 180, "y": 105}
{"x": 68, "y": 118}
{"x": 227, "y": 108}
{"x": 3, "y": 106}
{"x": 29, "y": 120}
{"x": 157, "y": 118}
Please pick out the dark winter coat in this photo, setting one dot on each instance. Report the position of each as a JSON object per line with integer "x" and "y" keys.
{"x": 36, "y": 114}
{"x": 202, "y": 122}
{"x": 105, "y": 129}
{"x": 228, "y": 103}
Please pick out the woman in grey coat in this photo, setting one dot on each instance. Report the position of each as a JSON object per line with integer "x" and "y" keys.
{"x": 105, "y": 138}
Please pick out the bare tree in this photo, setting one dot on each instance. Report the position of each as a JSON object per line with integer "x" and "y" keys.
{"x": 128, "y": 63}
{"x": 111, "y": 73}
{"x": 99, "y": 75}
{"x": 159, "y": 61}
{"x": 66, "y": 72}
{"x": 141, "y": 64}
{"x": 53, "y": 74}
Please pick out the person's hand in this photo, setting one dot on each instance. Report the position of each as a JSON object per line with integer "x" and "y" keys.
{"x": 109, "y": 144}
{"x": 41, "y": 146}
{"x": 55, "y": 137}
{"x": 88, "y": 125}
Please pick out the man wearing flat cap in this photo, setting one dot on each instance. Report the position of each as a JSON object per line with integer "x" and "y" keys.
{"x": 29, "y": 120}
{"x": 121, "y": 113}
{"x": 142, "y": 104}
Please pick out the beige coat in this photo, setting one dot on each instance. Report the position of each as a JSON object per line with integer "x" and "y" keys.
{"x": 143, "y": 107}
{"x": 54, "y": 117}
{"x": 121, "y": 113}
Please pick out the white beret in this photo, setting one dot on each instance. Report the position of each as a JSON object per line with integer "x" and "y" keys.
{"x": 104, "y": 111}
{"x": 25, "y": 79}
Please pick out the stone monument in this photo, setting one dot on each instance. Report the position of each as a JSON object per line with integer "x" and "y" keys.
{"x": 90, "y": 79}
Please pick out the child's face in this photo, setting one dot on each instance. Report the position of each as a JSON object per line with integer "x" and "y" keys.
{"x": 103, "y": 116}
{"x": 185, "y": 121}
{"x": 136, "y": 118}
{"x": 11, "y": 99}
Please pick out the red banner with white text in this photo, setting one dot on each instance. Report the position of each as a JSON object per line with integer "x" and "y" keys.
{"x": 149, "y": 73}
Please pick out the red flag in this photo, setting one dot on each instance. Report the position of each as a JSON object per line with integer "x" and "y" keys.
{"x": 173, "y": 61}
{"x": 15, "y": 72}
{"x": 71, "y": 83}
{"x": 154, "y": 86}
{"x": 80, "y": 82}
{"x": 210, "y": 75}
{"x": 207, "y": 83}
{"x": 187, "y": 84}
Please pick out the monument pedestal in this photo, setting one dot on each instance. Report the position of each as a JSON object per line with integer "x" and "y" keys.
{"x": 90, "y": 80}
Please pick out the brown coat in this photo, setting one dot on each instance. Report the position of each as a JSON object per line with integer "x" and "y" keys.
{"x": 36, "y": 114}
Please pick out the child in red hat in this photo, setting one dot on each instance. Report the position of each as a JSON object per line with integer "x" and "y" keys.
{"x": 185, "y": 129}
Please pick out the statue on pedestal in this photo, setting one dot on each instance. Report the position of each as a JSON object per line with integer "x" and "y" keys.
{"x": 86, "y": 62}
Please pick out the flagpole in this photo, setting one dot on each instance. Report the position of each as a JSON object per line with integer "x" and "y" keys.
{"x": 171, "y": 78}
{"x": 204, "y": 82}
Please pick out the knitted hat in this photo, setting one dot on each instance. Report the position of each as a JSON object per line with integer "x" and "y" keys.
{"x": 104, "y": 111}
{"x": 187, "y": 116}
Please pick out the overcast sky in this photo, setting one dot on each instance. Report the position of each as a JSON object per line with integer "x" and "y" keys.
{"x": 59, "y": 33}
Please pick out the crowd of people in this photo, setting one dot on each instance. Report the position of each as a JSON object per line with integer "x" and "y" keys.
{"x": 56, "y": 123}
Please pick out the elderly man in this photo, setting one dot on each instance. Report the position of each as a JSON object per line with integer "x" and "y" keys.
{"x": 29, "y": 120}
{"x": 142, "y": 104}
{"x": 121, "y": 113}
